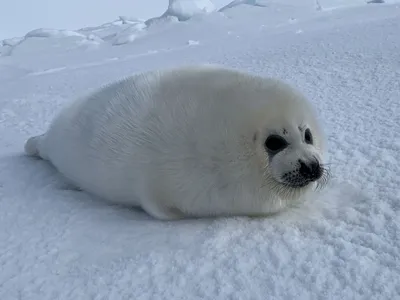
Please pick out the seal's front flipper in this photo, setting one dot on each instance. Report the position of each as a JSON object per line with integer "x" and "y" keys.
{"x": 32, "y": 146}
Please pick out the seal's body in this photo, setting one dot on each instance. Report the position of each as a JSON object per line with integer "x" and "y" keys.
{"x": 191, "y": 141}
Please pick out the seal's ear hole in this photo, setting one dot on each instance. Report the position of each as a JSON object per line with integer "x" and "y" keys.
{"x": 275, "y": 143}
{"x": 308, "y": 136}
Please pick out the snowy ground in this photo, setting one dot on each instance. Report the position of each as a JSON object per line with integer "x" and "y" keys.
{"x": 345, "y": 244}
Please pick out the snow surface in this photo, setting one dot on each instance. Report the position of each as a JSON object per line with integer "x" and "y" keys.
{"x": 343, "y": 244}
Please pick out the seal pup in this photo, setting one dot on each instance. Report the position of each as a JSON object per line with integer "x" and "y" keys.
{"x": 193, "y": 141}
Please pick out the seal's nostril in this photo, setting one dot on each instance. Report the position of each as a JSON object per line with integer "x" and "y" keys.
{"x": 304, "y": 169}
{"x": 314, "y": 166}
{"x": 311, "y": 171}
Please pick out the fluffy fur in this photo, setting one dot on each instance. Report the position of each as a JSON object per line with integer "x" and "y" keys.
{"x": 187, "y": 142}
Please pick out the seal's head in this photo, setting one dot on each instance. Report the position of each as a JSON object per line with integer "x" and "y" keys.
{"x": 293, "y": 158}
{"x": 290, "y": 143}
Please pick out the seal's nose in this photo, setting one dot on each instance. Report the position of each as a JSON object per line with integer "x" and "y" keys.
{"x": 311, "y": 171}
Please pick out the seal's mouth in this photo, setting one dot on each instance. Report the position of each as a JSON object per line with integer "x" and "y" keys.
{"x": 298, "y": 184}
{"x": 295, "y": 180}
{"x": 305, "y": 176}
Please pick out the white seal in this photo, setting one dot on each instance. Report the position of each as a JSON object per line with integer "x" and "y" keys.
{"x": 195, "y": 141}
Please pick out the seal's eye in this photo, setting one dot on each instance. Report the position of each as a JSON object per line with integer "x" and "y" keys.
{"x": 308, "y": 136}
{"x": 275, "y": 143}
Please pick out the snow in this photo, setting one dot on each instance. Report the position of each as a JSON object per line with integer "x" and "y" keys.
{"x": 186, "y": 9}
{"x": 193, "y": 43}
{"x": 48, "y": 32}
{"x": 183, "y": 10}
{"x": 129, "y": 34}
{"x": 342, "y": 244}
{"x": 241, "y": 2}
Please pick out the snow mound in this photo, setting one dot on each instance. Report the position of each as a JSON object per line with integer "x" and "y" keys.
{"x": 47, "y": 40}
{"x": 129, "y": 34}
{"x": 240, "y": 2}
{"x": 130, "y": 20}
{"x": 186, "y": 9}
{"x": 162, "y": 20}
{"x": 7, "y": 45}
{"x": 121, "y": 31}
{"x": 11, "y": 42}
{"x": 51, "y": 33}
{"x": 182, "y": 10}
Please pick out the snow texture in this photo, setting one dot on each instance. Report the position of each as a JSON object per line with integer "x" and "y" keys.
{"x": 129, "y": 34}
{"x": 186, "y": 9}
{"x": 240, "y": 2}
{"x": 183, "y": 10}
{"x": 57, "y": 243}
{"x": 46, "y": 32}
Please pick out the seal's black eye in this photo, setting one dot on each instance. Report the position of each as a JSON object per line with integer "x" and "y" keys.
{"x": 275, "y": 143}
{"x": 308, "y": 136}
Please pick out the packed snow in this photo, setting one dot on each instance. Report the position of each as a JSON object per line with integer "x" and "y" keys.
{"x": 344, "y": 243}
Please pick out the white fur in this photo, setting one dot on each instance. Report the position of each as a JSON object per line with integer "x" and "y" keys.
{"x": 182, "y": 142}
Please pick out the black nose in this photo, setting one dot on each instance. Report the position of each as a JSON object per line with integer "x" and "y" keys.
{"x": 311, "y": 170}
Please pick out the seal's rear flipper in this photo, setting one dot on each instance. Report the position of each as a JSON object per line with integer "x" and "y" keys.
{"x": 32, "y": 146}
